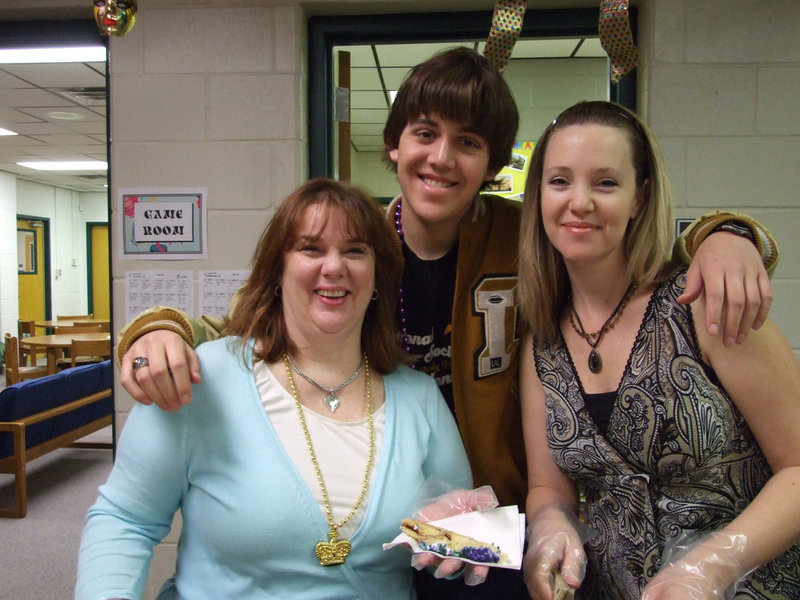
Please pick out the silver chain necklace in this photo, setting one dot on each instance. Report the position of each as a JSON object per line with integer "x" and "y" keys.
{"x": 330, "y": 398}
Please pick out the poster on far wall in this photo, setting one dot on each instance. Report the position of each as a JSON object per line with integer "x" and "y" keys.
{"x": 163, "y": 224}
{"x": 510, "y": 181}
{"x": 145, "y": 289}
{"x": 217, "y": 289}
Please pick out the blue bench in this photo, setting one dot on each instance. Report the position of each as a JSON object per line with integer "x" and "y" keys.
{"x": 41, "y": 415}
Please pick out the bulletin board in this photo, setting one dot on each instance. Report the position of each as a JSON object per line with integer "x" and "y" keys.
{"x": 510, "y": 181}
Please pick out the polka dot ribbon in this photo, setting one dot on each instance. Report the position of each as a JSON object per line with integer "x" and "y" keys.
{"x": 506, "y": 27}
{"x": 615, "y": 36}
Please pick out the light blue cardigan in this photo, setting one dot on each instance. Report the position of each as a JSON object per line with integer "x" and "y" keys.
{"x": 250, "y": 523}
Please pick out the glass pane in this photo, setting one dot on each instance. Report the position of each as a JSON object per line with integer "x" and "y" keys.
{"x": 545, "y": 76}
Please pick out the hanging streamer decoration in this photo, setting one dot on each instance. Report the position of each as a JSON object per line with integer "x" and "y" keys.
{"x": 615, "y": 36}
{"x": 506, "y": 27}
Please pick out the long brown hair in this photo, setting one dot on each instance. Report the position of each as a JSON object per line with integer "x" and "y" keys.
{"x": 259, "y": 308}
{"x": 544, "y": 284}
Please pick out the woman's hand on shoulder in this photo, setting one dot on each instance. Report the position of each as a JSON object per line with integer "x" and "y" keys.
{"x": 167, "y": 379}
{"x": 728, "y": 273}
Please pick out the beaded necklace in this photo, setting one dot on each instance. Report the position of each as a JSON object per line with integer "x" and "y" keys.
{"x": 593, "y": 339}
{"x": 335, "y": 550}
{"x": 398, "y": 224}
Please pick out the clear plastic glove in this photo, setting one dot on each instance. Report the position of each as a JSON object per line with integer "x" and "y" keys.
{"x": 458, "y": 502}
{"x": 704, "y": 570}
{"x": 555, "y": 542}
{"x": 455, "y": 502}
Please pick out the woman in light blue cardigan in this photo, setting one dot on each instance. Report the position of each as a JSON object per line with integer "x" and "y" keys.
{"x": 304, "y": 435}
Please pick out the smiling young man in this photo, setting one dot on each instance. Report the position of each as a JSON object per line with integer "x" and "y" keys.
{"x": 450, "y": 130}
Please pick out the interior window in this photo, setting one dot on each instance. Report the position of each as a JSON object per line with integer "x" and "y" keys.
{"x": 557, "y": 61}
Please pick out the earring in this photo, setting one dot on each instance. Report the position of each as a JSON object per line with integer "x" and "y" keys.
{"x": 277, "y": 291}
{"x": 375, "y": 294}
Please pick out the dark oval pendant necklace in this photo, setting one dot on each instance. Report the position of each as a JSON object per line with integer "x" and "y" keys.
{"x": 595, "y": 361}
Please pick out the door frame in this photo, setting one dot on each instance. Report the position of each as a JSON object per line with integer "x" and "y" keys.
{"x": 325, "y": 32}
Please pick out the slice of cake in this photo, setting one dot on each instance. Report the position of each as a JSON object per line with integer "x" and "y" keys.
{"x": 431, "y": 538}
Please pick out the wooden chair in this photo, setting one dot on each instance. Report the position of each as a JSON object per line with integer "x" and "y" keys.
{"x": 98, "y": 328}
{"x": 28, "y": 329}
{"x": 105, "y": 326}
{"x": 84, "y": 352}
{"x": 14, "y": 372}
{"x": 73, "y": 317}
{"x": 64, "y": 362}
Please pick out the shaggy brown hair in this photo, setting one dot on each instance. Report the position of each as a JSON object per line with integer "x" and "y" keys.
{"x": 463, "y": 86}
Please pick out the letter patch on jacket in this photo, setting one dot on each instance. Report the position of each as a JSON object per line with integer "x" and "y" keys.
{"x": 494, "y": 299}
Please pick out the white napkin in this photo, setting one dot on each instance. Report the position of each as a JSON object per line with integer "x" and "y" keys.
{"x": 504, "y": 527}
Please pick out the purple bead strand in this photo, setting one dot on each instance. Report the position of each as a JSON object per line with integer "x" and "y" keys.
{"x": 398, "y": 223}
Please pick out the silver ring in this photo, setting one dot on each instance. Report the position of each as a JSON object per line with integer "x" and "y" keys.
{"x": 140, "y": 362}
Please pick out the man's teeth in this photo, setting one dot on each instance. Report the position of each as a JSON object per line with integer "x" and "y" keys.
{"x": 332, "y": 294}
{"x": 436, "y": 183}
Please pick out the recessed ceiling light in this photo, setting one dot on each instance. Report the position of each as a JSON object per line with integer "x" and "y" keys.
{"x": 62, "y": 115}
{"x": 52, "y": 55}
{"x": 7, "y": 132}
{"x": 74, "y": 165}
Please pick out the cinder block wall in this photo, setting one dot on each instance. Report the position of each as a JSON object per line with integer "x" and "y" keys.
{"x": 719, "y": 87}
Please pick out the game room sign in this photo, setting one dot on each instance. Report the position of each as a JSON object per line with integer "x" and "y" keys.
{"x": 167, "y": 224}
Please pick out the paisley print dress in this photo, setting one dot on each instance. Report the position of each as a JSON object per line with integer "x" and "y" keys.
{"x": 677, "y": 458}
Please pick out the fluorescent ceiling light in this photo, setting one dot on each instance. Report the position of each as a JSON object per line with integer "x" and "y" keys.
{"x": 7, "y": 132}
{"x": 53, "y": 55}
{"x": 74, "y": 165}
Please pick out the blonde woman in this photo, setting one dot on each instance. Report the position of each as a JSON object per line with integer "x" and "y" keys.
{"x": 674, "y": 439}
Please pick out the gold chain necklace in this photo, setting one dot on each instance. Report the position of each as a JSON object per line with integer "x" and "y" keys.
{"x": 334, "y": 551}
{"x": 593, "y": 339}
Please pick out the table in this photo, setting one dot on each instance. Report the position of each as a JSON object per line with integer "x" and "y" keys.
{"x": 58, "y": 342}
{"x": 68, "y": 322}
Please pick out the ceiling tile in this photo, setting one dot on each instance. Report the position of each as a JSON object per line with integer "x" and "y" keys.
{"x": 408, "y": 55}
{"x": 27, "y": 98}
{"x": 84, "y": 114}
{"x": 367, "y": 129}
{"x": 365, "y": 115}
{"x": 374, "y": 100}
{"x": 362, "y": 78}
{"x": 360, "y": 56}
{"x": 9, "y": 81}
{"x": 58, "y": 75}
{"x": 591, "y": 48}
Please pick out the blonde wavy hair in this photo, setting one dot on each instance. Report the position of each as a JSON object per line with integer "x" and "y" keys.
{"x": 544, "y": 284}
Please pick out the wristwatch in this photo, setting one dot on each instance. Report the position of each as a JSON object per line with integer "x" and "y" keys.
{"x": 736, "y": 228}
